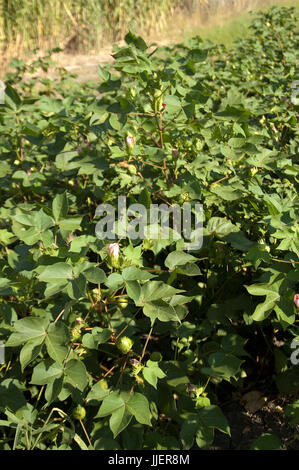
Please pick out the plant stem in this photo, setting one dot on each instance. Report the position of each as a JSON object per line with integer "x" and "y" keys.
{"x": 85, "y": 432}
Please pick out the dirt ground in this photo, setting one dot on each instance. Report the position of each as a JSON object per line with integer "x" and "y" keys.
{"x": 246, "y": 426}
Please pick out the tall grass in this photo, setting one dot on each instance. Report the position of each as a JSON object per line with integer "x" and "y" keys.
{"x": 86, "y": 25}
{"x": 83, "y": 24}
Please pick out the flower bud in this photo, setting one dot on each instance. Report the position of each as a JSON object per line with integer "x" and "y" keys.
{"x": 296, "y": 300}
{"x": 191, "y": 388}
{"x": 134, "y": 362}
{"x": 130, "y": 142}
{"x": 113, "y": 252}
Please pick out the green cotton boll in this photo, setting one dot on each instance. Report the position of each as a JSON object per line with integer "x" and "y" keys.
{"x": 124, "y": 344}
{"x": 79, "y": 412}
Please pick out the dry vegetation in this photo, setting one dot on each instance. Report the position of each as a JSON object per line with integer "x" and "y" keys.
{"x": 88, "y": 27}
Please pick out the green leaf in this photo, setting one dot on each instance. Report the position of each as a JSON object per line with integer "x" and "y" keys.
{"x": 204, "y": 436}
{"x": 156, "y": 290}
{"x": 267, "y": 441}
{"x": 173, "y": 104}
{"x": 133, "y": 254}
{"x": 12, "y": 98}
{"x": 161, "y": 310}
{"x": 176, "y": 373}
{"x": 213, "y": 417}
{"x": 110, "y": 404}
{"x": 57, "y": 272}
{"x": 227, "y": 193}
{"x": 133, "y": 290}
{"x": 54, "y": 288}
{"x": 114, "y": 281}
{"x": 137, "y": 41}
{"x": 194, "y": 427}
{"x": 30, "y": 351}
{"x": 97, "y": 394}
{"x": 264, "y": 309}
{"x": 119, "y": 420}
{"x": 132, "y": 273}
{"x": 77, "y": 287}
{"x": 27, "y": 329}
{"x": 75, "y": 374}
{"x": 222, "y": 365}
{"x": 57, "y": 340}
{"x": 188, "y": 430}
{"x": 239, "y": 241}
{"x": 292, "y": 412}
{"x": 105, "y": 443}
{"x": 60, "y": 206}
{"x": 53, "y": 389}
{"x": 11, "y": 394}
{"x": 95, "y": 275}
{"x": 80, "y": 442}
{"x": 70, "y": 224}
{"x": 152, "y": 373}
{"x": 138, "y": 405}
{"x": 46, "y": 372}
{"x": 272, "y": 290}
{"x": 31, "y": 129}
{"x": 178, "y": 258}
{"x": 96, "y": 337}
{"x": 104, "y": 74}
{"x": 42, "y": 221}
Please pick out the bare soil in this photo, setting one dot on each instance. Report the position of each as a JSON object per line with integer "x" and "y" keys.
{"x": 247, "y": 426}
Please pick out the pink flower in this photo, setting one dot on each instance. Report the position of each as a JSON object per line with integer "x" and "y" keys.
{"x": 130, "y": 142}
{"x": 163, "y": 105}
{"x": 134, "y": 362}
{"x": 296, "y": 300}
{"x": 113, "y": 250}
{"x": 191, "y": 388}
